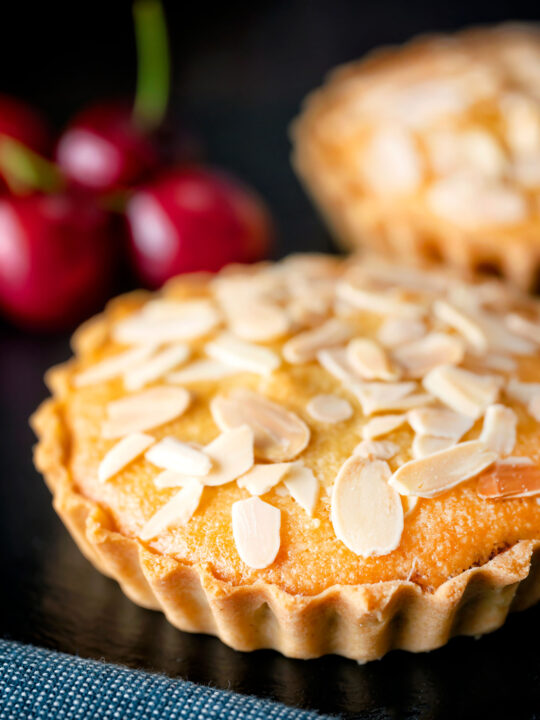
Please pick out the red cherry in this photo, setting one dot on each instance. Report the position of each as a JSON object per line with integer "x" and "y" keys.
{"x": 56, "y": 259}
{"x": 104, "y": 150}
{"x": 194, "y": 219}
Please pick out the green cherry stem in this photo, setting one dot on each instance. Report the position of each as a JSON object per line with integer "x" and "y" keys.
{"x": 24, "y": 170}
{"x": 153, "y": 65}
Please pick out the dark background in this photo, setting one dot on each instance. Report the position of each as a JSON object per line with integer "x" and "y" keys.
{"x": 240, "y": 72}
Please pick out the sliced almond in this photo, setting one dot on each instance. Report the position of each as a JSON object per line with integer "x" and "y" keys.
{"x": 409, "y": 504}
{"x": 180, "y": 457}
{"x": 369, "y": 360}
{"x": 243, "y": 355}
{"x": 303, "y": 486}
{"x": 279, "y": 433}
{"x": 382, "y": 425}
{"x": 256, "y": 530}
{"x": 432, "y": 475}
{"x": 381, "y": 303}
{"x": 424, "y": 445}
{"x": 176, "y": 512}
{"x": 523, "y": 326}
{"x": 522, "y": 391}
{"x": 397, "y": 331}
{"x": 156, "y": 367}
{"x": 534, "y": 407}
{"x": 113, "y": 366}
{"x": 262, "y": 478}
{"x": 258, "y": 321}
{"x": 329, "y": 408}
{"x": 231, "y": 454}
{"x": 504, "y": 480}
{"x": 499, "y": 429}
{"x": 366, "y": 512}
{"x": 334, "y": 361}
{"x": 459, "y": 320}
{"x": 144, "y": 411}
{"x": 499, "y": 363}
{"x": 122, "y": 454}
{"x": 463, "y": 391}
{"x": 170, "y": 479}
{"x": 304, "y": 347}
{"x": 419, "y": 357}
{"x": 376, "y": 449}
{"x": 380, "y": 397}
{"x": 439, "y": 422}
{"x": 202, "y": 371}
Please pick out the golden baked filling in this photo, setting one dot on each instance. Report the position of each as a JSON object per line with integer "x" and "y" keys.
{"x": 433, "y": 150}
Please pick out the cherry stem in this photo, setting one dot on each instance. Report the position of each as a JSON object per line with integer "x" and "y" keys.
{"x": 153, "y": 66}
{"x": 24, "y": 170}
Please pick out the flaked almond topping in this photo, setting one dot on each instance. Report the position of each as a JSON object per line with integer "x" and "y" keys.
{"x": 262, "y": 478}
{"x": 156, "y": 367}
{"x": 144, "y": 411}
{"x": 279, "y": 433}
{"x": 303, "y": 486}
{"x": 441, "y": 471}
{"x": 499, "y": 363}
{"x": 113, "y": 366}
{"x": 376, "y": 449}
{"x": 382, "y": 303}
{"x": 334, "y": 361}
{"x": 369, "y": 360}
{"x": 439, "y": 422}
{"x": 176, "y": 512}
{"x": 206, "y": 370}
{"x": 256, "y": 529}
{"x": 231, "y": 454}
{"x": 380, "y": 397}
{"x": 329, "y": 408}
{"x": 180, "y": 457}
{"x": 122, "y": 454}
{"x": 534, "y": 407}
{"x": 164, "y": 321}
{"x": 459, "y": 320}
{"x": 391, "y": 146}
{"x": 242, "y": 355}
{"x": 499, "y": 429}
{"x": 420, "y": 356}
{"x": 170, "y": 479}
{"x": 409, "y": 504}
{"x": 366, "y": 512}
{"x": 523, "y": 326}
{"x": 397, "y": 331}
{"x": 505, "y": 480}
{"x": 522, "y": 391}
{"x": 463, "y": 391}
{"x": 258, "y": 321}
{"x": 515, "y": 460}
{"x": 304, "y": 347}
{"x": 382, "y": 425}
{"x": 499, "y": 337}
{"x": 424, "y": 445}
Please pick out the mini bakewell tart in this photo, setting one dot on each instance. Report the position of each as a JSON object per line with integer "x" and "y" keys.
{"x": 317, "y": 456}
{"x": 432, "y": 150}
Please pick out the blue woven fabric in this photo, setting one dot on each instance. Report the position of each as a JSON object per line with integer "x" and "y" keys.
{"x": 37, "y": 684}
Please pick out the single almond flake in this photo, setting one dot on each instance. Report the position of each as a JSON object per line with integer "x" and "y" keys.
{"x": 154, "y": 368}
{"x": 499, "y": 429}
{"x": 382, "y": 397}
{"x": 304, "y": 347}
{"x": 258, "y": 321}
{"x": 122, "y": 454}
{"x": 176, "y": 512}
{"x": 420, "y": 356}
{"x": 515, "y": 460}
{"x": 242, "y": 355}
{"x": 369, "y": 360}
{"x": 521, "y": 391}
{"x": 145, "y": 410}
{"x": 409, "y": 504}
{"x": 231, "y": 454}
{"x": 381, "y": 303}
{"x": 329, "y": 408}
{"x": 262, "y": 478}
{"x": 206, "y": 370}
{"x": 528, "y": 329}
{"x": 534, "y": 407}
{"x": 505, "y": 480}
{"x": 500, "y": 338}
{"x": 113, "y": 366}
{"x": 382, "y": 425}
{"x": 460, "y": 321}
{"x": 499, "y": 363}
{"x": 303, "y": 486}
{"x": 439, "y": 422}
{"x": 424, "y": 445}
{"x": 461, "y": 390}
{"x": 376, "y": 449}
{"x": 280, "y": 434}
{"x": 180, "y": 457}
{"x": 366, "y": 513}
{"x": 170, "y": 479}
{"x": 432, "y": 475}
{"x": 256, "y": 531}
{"x": 334, "y": 361}
{"x": 397, "y": 331}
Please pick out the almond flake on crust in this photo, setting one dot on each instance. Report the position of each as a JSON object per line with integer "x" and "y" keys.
{"x": 499, "y": 363}
{"x": 420, "y": 356}
{"x": 380, "y": 397}
{"x": 523, "y": 326}
{"x": 432, "y": 475}
{"x": 279, "y": 433}
{"x": 439, "y": 422}
{"x": 262, "y": 478}
{"x": 392, "y": 146}
{"x": 231, "y": 454}
{"x": 177, "y": 511}
{"x": 522, "y": 391}
{"x": 122, "y": 454}
{"x": 171, "y": 479}
{"x": 178, "y": 456}
{"x": 376, "y": 449}
{"x": 303, "y": 486}
{"x": 460, "y": 321}
{"x": 256, "y": 531}
{"x": 397, "y": 331}
{"x": 156, "y": 367}
{"x": 258, "y": 321}
{"x": 409, "y": 504}
{"x": 242, "y": 355}
{"x": 329, "y": 408}
{"x": 461, "y": 390}
{"x": 381, "y": 303}
{"x": 334, "y": 361}
{"x": 382, "y": 425}
{"x": 304, "y": 347}
{"x": 507, "y": 480}
{"x": 205, "y": 370}
{"x": 366, "y": 512}
{"x": 424, "y": 445}
{"x": 499, "y": 429}
{"x": 144, "y": 411}
{"x": 369, "y": 360}
{"x": 113, "y": 366}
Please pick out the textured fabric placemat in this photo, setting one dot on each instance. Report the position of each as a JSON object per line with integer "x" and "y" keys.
{"x": 38, "y": 684}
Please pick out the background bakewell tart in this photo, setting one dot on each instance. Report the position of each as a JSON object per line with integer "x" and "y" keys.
{"x": 432, "y": 150}
{"x": 317, "y": 456}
